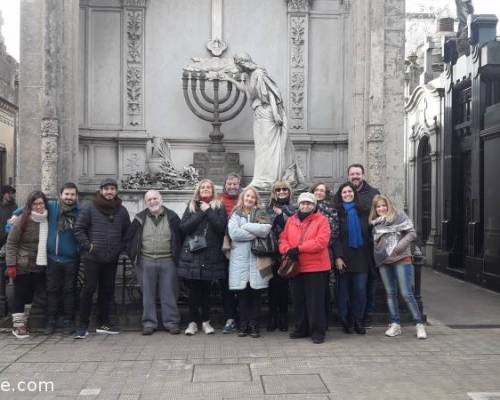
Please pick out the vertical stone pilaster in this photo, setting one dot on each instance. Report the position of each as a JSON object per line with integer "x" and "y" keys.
{"x": 298, "y": 31}
{"x": 50, "y": 135}
{"x": 134, "y": 12}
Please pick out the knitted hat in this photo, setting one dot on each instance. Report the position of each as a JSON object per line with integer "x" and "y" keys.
{"x": 309, "y": 197}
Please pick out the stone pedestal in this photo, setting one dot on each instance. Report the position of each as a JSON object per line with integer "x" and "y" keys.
{"x": 216, "y": 165}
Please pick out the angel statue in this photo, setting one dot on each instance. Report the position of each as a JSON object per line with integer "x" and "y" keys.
{"x": 274, "y": 151}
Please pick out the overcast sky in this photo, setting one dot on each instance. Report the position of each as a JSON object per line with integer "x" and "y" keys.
{"x": 10, "y": 14}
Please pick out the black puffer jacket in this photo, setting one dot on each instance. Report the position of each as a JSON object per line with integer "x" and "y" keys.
{"x": 134, "y": 234}
{"x": 105, "y": 233}
{"x": 209, "y": 263}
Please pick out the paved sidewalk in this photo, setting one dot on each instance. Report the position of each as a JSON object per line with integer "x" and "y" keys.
{"x": 451, "y": 365}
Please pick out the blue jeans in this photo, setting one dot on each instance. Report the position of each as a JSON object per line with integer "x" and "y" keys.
{"x": 351, "y": 295}
{"x": 394, "y": 276}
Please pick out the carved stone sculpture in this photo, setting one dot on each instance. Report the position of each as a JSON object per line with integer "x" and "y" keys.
{"x": 464, "y": 9}
{"x": 274, "y": 151}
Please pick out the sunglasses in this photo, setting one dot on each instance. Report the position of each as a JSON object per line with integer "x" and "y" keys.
{"x": 281, "y": 190}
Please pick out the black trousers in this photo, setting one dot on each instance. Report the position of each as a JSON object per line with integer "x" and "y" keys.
{"x": 249, "y": 301}
{"x": 278, "y": 295}
{"x": 308, "y": 297}
{"x": 199, "y": 298}
{"x": 229, "y": 301}
{"x": 25, "y": 286}
{"x": 61, "y": 279}
{"x": 99, "y": 276}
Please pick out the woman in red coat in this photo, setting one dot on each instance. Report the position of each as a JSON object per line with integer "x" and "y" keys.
{"x": 305, "y": 239}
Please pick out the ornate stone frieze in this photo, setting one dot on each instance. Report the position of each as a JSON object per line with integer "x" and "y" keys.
{"x": 376, "y": 133}
{"x": 134, "y": 3}
{"x": 298, "y": 24}
{"x": 298, "y": 5}
{"x": 50, "y": 134}
{"x": 134, "y": 65}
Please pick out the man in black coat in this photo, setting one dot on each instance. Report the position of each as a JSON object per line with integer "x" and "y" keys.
{"x": 101, "y": 230}
{"x": 7, "y": 207}
{"x": 154, "y": 242}
{"x": 366, "y": 193}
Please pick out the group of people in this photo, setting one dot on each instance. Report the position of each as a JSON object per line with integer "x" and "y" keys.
{"x": 349, "y": 239}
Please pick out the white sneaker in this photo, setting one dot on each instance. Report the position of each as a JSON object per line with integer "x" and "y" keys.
{"x": 421, "y": 333}
{"x": 207, "y": 328}
{"x": 191, "y": 329}
{"x": 394, "y": 330}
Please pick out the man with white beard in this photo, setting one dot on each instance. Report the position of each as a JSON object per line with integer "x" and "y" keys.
{"x": 154, "y": 242}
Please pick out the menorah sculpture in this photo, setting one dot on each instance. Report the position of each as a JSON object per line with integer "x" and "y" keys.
{"x": 216, "y": 101}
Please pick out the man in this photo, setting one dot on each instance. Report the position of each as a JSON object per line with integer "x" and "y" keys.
{"x": 7, "y": 207}
{"x": 229, "y": 197}
{"x": 63, "y": 257}
{"x": 101, "y": 229}
{"x": 154, "y": 241}
{"x": 366, "y": 193}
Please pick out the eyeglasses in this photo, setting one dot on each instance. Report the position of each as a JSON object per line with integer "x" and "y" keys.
{"x": 281, "y": 190}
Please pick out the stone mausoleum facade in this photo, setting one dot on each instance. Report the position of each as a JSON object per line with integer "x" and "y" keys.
{"x": 101, "y": 78}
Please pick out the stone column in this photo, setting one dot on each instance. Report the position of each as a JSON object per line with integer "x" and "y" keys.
{"x": 48, "y": 95}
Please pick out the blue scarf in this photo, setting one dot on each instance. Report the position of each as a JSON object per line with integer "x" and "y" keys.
{"x": 354, "y": 235}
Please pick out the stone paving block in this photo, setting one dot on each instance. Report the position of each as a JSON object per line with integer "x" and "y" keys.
{"x": 484, "y": 396}
{"x": 222, "y": 373}
{"x": 293, "y": 384}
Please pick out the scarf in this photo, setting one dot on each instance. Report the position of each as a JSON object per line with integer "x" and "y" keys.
{"x": 303, "y": 215}
{"x": 354, "y": 235}
{"x": 43, "y": 233}
{"x": 66, "y": 217}
{"x": 107, "y": 207}
{"x": 387, "y": 234}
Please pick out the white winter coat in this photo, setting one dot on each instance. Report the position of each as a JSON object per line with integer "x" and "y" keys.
{"x": 242, "y": 262}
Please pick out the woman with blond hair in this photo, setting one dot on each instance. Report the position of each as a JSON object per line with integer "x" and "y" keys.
{"x": 247, "y": 222}
{"x": 393, "y": 234}
{"x": 201, "y": 260}
{"x": 280, "y": 208}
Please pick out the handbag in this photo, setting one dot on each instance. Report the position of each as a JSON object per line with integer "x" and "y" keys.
{"x": 198, "y": 242}
{"x": 288, "y": 268}
{"x": 264, "y": 247}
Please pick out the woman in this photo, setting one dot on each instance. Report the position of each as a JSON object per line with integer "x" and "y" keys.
{"x": 201, "y": 260}
{"x": 246, "y": 223}
{"x": 305, "y": 240}
{"x": 393, "y": 234}
{"x": 323, "y": 196}
{"x": 352, "y": 258}
{"x": 274, "y": 151}
{"x": 280, "y": 209}
{"x": 26, "y": 258}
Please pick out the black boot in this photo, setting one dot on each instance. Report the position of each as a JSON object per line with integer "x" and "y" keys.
{"x": 254, "y": 330}
{"x": 359, "y": 328}
{"x": 347, "y": 327}
{"x": 272, "y": 322}
{"x": 283, "y": 322}
{"x": 243, "y": 329}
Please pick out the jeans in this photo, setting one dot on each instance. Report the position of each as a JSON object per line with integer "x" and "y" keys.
{"x": 159, "y": 277}
{"x": 100, "y": 275}
{"x": 61, "y": 281}
{"x": 370, "y": 291}
{"x": 394, "y": 276}
{"x": 351, "y": 295}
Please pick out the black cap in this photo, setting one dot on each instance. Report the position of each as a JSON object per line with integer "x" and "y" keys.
{"x": 7, "y": 189}
{"x": 108, "y": 182}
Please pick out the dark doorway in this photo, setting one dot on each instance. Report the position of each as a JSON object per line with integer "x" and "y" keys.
{"x": 424, "y": 189}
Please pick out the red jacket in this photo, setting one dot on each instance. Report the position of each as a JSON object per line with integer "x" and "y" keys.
{"x": 312, "y": 236}
{"x": 229, "y": 202}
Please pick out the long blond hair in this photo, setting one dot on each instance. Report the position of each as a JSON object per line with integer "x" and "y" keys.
{"x": 214, "y": 203}
{"x": 239, "y": 204}
{"x": 391, "y": 210}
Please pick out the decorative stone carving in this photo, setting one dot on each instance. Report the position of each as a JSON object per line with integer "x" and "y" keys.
{"x": 50, "y": 134}
{"x": 134, "y": 65}
{"x": 376, "y": 133}
{"x": 464, "y": 9}
{"x": 297, "y": 71}
{"x": 298, "y": 5}
{"x": 134, "y": 3}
